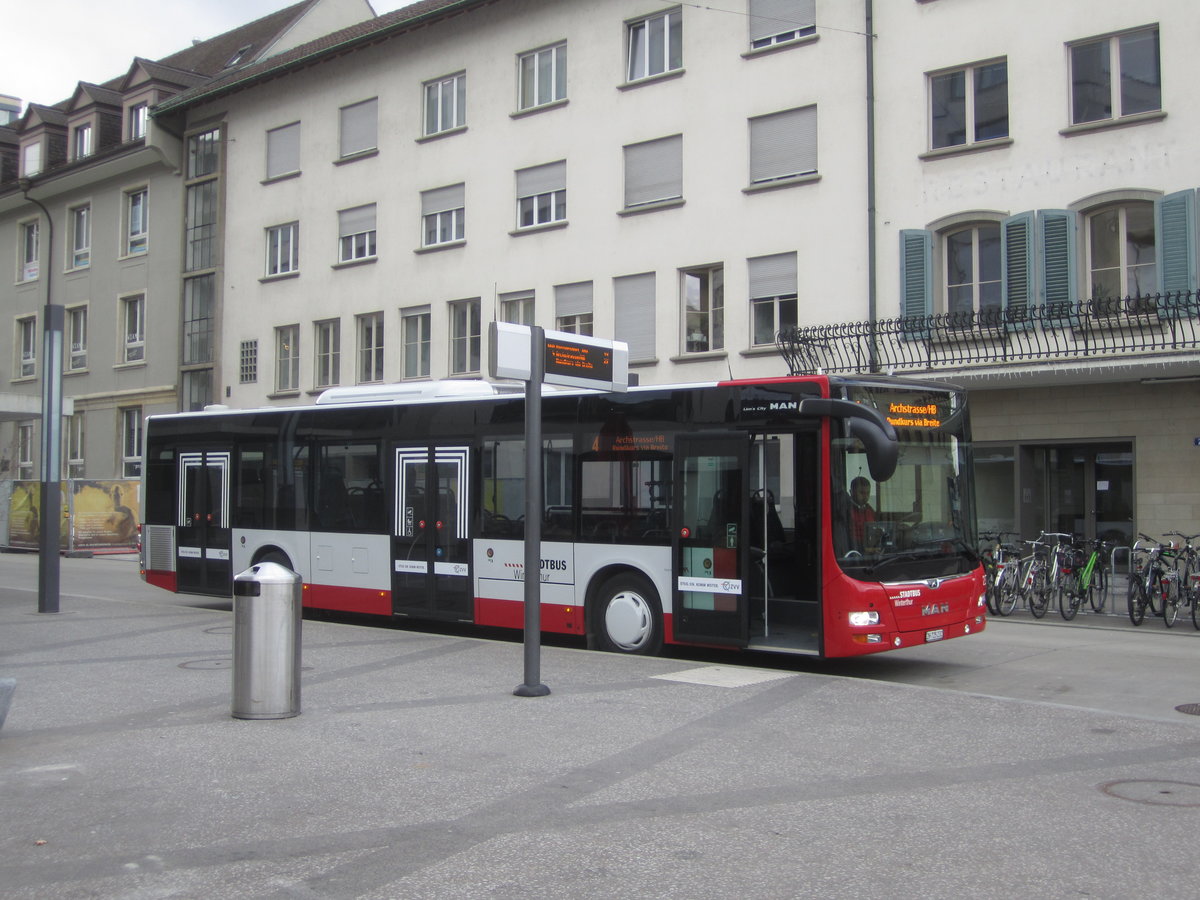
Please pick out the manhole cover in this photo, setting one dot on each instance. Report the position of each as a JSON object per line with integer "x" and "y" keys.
{"x": 1155, "y": 793}
{"x": 1191, "y": 709}
{"x": 206, "y": 664}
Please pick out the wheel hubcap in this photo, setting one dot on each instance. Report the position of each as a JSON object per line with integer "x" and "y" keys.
{"x": 628, "y": 620}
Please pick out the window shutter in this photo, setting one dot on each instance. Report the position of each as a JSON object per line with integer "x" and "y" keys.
{"x": 572, "y": 299}
{"x": 772, "y": 276}
{"x": 916, "y": 263}
{"x": 1016, "y": 274}
{"x": 783, "y": 144}
{"x": 283, "y": 150}
{"x": 1175, "y": 221}
{"x": 1056, "y": 245}
{"x": 359, "y": 127}
{"x": 654, "y": 171}
{"x": 356, "y": 220}
{"x": 771, "y": 17}
{"x": 542, "y": 179}
{"x": 442, "y": 199}
{"x": 634, "y": 314}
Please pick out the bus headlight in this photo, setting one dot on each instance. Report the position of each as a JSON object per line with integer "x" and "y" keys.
{"x": 982, "y": 602}
{"x": 870, "y": 617}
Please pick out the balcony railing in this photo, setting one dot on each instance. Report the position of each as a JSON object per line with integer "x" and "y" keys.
{"x": 1047, "y": 335}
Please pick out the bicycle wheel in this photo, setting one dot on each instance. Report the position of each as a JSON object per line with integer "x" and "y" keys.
{"x": 1039, "y": 594}
{"x": 1196, "y": 611}
{"x": 1137, "y": 600}
{"x": 1170, "y": 601}
{"x": 1069, "y": 598}
{"x": 1010, "y": 592}
{"x": 1098, "y": 590}
{"x": 1154, "y": 596}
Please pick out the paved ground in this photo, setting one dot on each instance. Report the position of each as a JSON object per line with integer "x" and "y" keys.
{"x": 414, "y": 772}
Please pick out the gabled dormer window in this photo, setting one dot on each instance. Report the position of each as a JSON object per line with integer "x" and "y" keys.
{"x": 82, "y": 141}
{"x": 31, "y": 159}
{"x": 137, "y": 121}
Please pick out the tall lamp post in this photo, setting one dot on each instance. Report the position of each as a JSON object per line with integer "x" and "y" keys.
{"x": 53, "y": 318}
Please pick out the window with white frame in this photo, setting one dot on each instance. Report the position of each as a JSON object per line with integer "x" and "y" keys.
{"x": 26, "y": 347}
{"x": 29, "y": 251}
{"x": 77, "y": 328}
{"x": 780, "y": 21}
{"x": 80, "y": 221}
{"x": 542, "y": 76}
{"x": 446, "y": 103}
{"x": 443, "y": 219}
{"x": 31, "y": 158}
{"x": 702, "y": 291}
{"x": 573, "y": 307}
{"x": 465, "y": 336}
{"x": 654, "y": 171}
{"x": 327, "y": 336}
{"x": 283, "y": 249}
{"x": 82, "y": 143}
{"x": 655, "y": 44}
{"x": 133, "y": 339}
{"x": 968, "y": 105}
{"x": 370, "y": 347}
{"x": 248, "y": 362}
{"x": 356, "y": 233}
{"x": 137, "y": 121}
{"x": 1115, "y": 76}
{"x": 516, "y": 307}
{"x": 542, "y": 194}
{"x": 772, "y": 296}
{"x": 633, "y": 314}
{"x": 416, "y": 326}
{"x": 783, "y": 145}
{"x": 287, "y": 358}
{"x": 283, "y": 151}
{"x": 358, "y": 128}
{"x": 1121, "y": 251}
{"x": 137, "y": 221}
{"x": 972, "y": 269}
{"x": 73, "y": 446}
{"x": 131, "y": 441}
{"x": 25, "y": 451}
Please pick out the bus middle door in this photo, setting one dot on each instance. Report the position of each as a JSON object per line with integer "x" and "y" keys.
{"x": 203, "y": 537}
{"x": 430, "y": 548}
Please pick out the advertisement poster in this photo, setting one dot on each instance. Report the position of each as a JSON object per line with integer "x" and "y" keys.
{"x": 104, "y": 514}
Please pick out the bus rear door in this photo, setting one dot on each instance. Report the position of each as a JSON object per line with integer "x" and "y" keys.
{"x": 710, "y": 539}
{"x": 430, "y": 548}
{"x": 203, "y": 538}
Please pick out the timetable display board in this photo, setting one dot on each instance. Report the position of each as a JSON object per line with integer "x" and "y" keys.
{"x": 572, "y": 360}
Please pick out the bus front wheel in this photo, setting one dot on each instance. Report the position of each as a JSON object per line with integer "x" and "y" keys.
{"x": 628, "y": 616}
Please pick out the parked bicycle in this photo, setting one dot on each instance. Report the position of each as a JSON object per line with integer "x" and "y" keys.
{"x": 1000, "y": 561}
{"x": 1084, "y": 580}
{"x": 1149, "y": 581}
{"x": 1035, "y": 576}
{"x": 1183, "y": 594}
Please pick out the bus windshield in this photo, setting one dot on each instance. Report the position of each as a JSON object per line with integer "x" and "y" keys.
{"x": 919, "y": 523}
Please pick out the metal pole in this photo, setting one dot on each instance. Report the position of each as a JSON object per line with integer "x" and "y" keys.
{"x": 53, "y": 318}
{"x": 532, "y": 686}
{"x": 872, "y": 299}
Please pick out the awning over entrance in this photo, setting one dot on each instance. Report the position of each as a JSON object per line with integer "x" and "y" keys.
{"x": 18, "y": 407}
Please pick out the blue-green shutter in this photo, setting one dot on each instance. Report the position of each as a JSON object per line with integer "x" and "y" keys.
{"x": 1175, "y": 221}
{"x": 1057, "y": 253}
{"x": 916, "y": 289}
{"x": 1016, "y": 273}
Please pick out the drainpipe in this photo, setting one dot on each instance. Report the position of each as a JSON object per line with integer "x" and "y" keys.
{"x": 872, "y": 299}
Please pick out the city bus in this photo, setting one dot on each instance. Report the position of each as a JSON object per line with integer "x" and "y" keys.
{"x": 818, "y": 515}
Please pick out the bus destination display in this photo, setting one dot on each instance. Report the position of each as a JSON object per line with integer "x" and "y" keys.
{"x": 578, "y": 360}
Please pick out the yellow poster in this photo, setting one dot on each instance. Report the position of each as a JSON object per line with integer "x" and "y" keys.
{"x": 104, "y": 514}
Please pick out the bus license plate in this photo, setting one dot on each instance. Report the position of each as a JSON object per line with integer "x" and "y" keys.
{"x": 936, "y": 635}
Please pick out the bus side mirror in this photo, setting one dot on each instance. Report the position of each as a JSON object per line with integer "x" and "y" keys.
{"x": 868, "y": 425}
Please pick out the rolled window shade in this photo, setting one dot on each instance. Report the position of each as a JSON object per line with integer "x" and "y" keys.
{"x": 542, "y": 179}
{"x": 634, "y": 314}
{"x": 359, "y": 127}
{"x": 654, "y": 171}
{"x": 783, "y": 144}
{"x": 771, "y": 17}
{"x": 283, "y": 150}
{"x": 356, "y": 220}
{"x": 772, "y": 276}
{"x": 572, "y": 299}
{"x": 442, "y": 199}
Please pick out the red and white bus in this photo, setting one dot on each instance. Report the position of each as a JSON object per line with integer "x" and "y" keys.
{"x": 707, "y": 514}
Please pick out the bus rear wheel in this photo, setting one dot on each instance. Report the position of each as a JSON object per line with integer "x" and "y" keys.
{"x": 628, "y": 616}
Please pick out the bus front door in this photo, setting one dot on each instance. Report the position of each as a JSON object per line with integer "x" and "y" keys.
{"x": 711, "y": 539}
{"x": 430, "y": 550}
{"x": 203, "y": 537}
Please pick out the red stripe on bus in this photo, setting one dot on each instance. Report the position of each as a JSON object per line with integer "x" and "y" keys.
{"x": 165, "y": 580}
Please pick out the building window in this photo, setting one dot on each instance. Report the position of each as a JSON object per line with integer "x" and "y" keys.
{"x": 137, "y": 221}
{"x": 29, "y": 250}
{"x": 780, "y": 21}
{"x": 654, "y": 171}
{"x": 26, "y": 347}
{"x": 283, "y": 249}
{"x": 328, "y": 339}
{"x": 80, "y": 219}
{"x": 1133, "y": 58}
{"x": 204, "y": 154}
{"x": 973, "y": 269}
{"x": 283, "y": 151}
{"x": 200, "y": 227}
{"x": 464, "y": 336}
{"x": 358, "y": 128}
{"x": 655, "y": 45}
{"x": 446, "y": 103}
{"x": 370, "y": 348}
{"x": 968, "y": 105}
{"x": 542, "y": 195}
{"x": 517, "y": 307}
{"x": 131, "y": 442}
{"x": 73, "y": 449}
{"x": 82, "y": 144}
{"x": 25, "y": 452}
{"x": 703, "y": 295}
{"x": 197, "y": 389}
{"x": 137, "y": 121}
{"x": 356, "y": 233}
{"x": 542, "y": 76}
{"x": 772, "y": 296}
{"x": 442, "y": 215}
{"x": 1120, "y": 244}
{"x": 633, "y": 314}
{"x": 31, "y": 159}
{"x": 783, "y": 145}
{"x": 287, "y": 358}
{"x": 573, "y": 307}
{"x": 416, "y": 326}
{"x": 77, "y": 322}
{"x": 198, "y": 320}
{"x": 133, "y": 315}
{"x": 248, "y": 362}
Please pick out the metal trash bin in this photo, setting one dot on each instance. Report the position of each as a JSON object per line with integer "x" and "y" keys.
{"x": 266, "y": 642}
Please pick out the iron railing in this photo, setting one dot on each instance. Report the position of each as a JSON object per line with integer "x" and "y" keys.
{"x": 1049, "y": 334}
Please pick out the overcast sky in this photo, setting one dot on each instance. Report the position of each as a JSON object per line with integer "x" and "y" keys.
{"x": 60, "y": 43}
